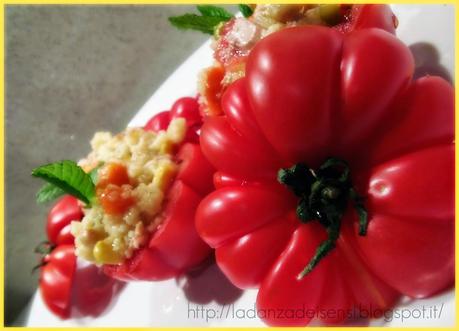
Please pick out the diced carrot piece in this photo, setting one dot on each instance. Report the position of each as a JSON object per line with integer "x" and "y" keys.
{"x": 116, "y": 199}
{"x": 113, "y": 173}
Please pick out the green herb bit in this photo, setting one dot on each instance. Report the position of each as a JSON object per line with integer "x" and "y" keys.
{"x": 246, "y": 10}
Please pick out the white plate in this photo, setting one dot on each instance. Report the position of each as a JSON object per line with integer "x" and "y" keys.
{"x": 208, "y": 299}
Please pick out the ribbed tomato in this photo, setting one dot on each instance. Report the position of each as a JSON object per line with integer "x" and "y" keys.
{"x": 335, "y": 183}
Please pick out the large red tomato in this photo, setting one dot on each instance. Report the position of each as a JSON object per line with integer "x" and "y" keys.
{"x": 328, "y": 234}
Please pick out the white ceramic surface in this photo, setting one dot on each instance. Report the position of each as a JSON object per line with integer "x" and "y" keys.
{"x": 208, "y": 299}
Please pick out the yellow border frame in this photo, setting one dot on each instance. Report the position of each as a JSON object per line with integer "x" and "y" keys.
{"x": 182, "y": 2}
{"x": 144, "y": 2}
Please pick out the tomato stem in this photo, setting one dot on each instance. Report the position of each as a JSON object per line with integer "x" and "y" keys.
{"x": 38, "y": 266}
{"x": 44, "y": 248}
{"x": 323, "y": 195}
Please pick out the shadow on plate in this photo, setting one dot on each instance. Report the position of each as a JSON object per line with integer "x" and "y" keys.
{"x": 207, "y": 284}
{"x": 426, "y": 59}
{"x": 94, "y": 293}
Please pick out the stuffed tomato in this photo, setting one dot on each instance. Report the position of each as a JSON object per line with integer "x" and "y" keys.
{"x": 335, "y": 176}
{"x": 128, "y": 213}
{"x": 148, "y": 183}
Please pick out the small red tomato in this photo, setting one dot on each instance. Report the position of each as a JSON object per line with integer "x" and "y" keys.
{"x": 71, "y": 290}
{"x": 188, "y": 108}
{"x": 92, "y": 291}
{"x": 158, "y": 122}
{"x": 56, "y": 279}
{"x": 64, "y": 211}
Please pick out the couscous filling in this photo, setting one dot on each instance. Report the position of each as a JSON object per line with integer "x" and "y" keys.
{"x": 134, "y": 170}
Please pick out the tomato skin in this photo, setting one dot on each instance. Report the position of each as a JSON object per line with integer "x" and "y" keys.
{"x": 408, "y": 214}
{"x": 66, "y": 210}
{"x": 194, "y": 169}
{"x": 65, "y": 237}
{"x": 307, "y": 118}
{"x": 381, "y": 84}
{"x": 418, "y": 196}
{"x": 56, "y": 279}
{"x": 176, "y": 239}
{"x": 416, "y": 123}
{"x": 260, "y": 247}
{"x": 232, "y": 153}
{"x": 230, "y": 212}
{"x": 222, "y": 180}
{"x": 363, "y": 107}
{"x": 159, "y": 122}
{"x": 188, "y": 108}
{"x": 366, "y": 289}
{"x": 283, "y": 277}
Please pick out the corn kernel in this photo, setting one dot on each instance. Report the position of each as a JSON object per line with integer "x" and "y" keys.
{"x": 104, "y": 253}
{"x": 84, "y": 252}
{"x": 164, "y": 175}
{"x": 167, "y": 147}
{"x": 89, "y": 236}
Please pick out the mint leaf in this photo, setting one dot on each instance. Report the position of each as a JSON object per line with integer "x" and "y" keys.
{"x": 204, "y": 24}
{"x": 246, "y": 10}
{"x": 214, "y": 11}
{"x": 69, "y": 177}
{"x": 49, "y": 192}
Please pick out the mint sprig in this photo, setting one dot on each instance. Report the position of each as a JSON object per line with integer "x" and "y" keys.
{"x": 69, "y": 177}
{"x": 246, "y": 10}
{"x": 207, "y": 22}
